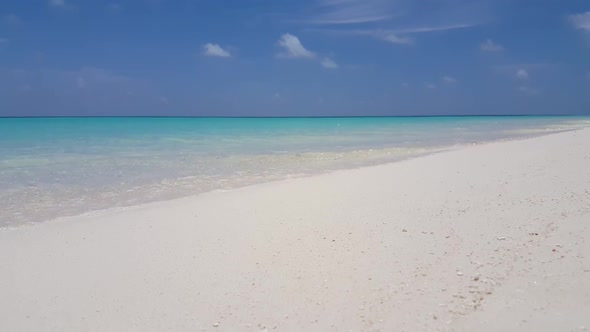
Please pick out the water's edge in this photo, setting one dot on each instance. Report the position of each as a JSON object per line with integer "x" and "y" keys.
{"x": 116, "y": 209}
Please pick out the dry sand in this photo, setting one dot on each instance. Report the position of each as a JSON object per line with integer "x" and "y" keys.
{"x": 493, "y": 237}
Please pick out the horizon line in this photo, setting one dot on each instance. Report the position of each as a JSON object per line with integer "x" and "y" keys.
{"x": 285, "y": 117}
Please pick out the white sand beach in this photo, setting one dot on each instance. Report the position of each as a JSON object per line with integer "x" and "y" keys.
{"x": 491, "y": 237}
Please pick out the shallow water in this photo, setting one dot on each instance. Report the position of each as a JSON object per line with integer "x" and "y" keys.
{"x": 51, "y": 167}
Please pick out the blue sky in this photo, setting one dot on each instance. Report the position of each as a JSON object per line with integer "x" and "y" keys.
{"x": 294, "y": 58}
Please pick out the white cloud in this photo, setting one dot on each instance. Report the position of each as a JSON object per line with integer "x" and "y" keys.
{"x": 57, "y": 3}
{"x": 426, "y": 29}
{"x": 394, "y": 39}
{"x": 522, "y": 74}
{"x": 449, "y": 80}
{"x": 581, "y": 21}
{"x": 490, "y": 46}
{"x": 293, "y": 47}
{"x": 329, "y": 63}
{"x": 215, "y": 50}
{"x": 384, "y": 35}
{"x": 405, "y": 85}
{"x": 400, "y": 36}
{"x": 430, "y": 86}
{"x": 351, "y": 11}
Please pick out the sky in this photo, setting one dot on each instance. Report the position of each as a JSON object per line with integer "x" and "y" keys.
{"x": 294, "y": 57}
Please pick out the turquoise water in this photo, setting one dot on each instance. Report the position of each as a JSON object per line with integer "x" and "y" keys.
{"x": 52, "y": 167}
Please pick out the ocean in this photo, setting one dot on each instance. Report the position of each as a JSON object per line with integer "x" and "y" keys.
{"x": 54, "y": 167}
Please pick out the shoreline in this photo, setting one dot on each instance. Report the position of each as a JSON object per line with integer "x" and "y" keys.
{"x": 491, "y": 237}
{"x": 439, "y": 149}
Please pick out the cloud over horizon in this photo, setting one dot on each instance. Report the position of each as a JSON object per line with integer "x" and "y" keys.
{"x": 292, "y": 47}
{"x": 401, "y": 36}
{"x": 342, "y": 12}
{"x": 581, "y": 21}
{"x": 329, "y": 63}
{"x": 391, "y": 37}
{"x": 215, "y": 50}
